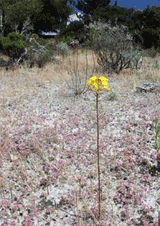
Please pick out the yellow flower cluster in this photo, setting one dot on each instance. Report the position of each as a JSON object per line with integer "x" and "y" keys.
{"x": 96, "y": 82}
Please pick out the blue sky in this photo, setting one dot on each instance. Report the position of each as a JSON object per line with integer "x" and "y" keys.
{"x": 136, "y": 4}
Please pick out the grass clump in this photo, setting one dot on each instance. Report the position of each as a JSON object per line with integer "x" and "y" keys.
{"x": 112, "y": 96}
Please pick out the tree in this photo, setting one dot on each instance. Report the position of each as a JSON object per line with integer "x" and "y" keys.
{"x": 53, "y": 15}
{"x": 90, "y": 5}
{"x": 16, "y": 12}
{"x": 112, "y": 13}
{"x": 45, "y": 12}
{"x": 145, "y": 26}
{"x": 115, "y": 3}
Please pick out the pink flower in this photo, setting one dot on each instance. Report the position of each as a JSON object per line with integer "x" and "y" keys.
{"x": 13, "y": 223}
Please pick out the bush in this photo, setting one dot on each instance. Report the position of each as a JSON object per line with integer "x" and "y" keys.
{"x": 39, "y": 59}
{"x": 13, "y": 45}
{"x": 42, "y": 60}
{"x": 112, "y": 46}
{"x": 65, "y": 39}
{"x": 40, "y": 51}
{"x": 40, "y": 55}
{"x": 16, "y": 37}
{"x": 41, "y": 41}
{"x": 62, "y": 48}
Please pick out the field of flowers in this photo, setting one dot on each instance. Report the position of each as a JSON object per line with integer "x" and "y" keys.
{"x": 48, "y": 147}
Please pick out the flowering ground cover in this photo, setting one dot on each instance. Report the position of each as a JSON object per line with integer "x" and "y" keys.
{"x": 48, "y": 159}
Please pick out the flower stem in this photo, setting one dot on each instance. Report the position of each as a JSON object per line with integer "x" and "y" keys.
{"x": 158, "y": 162}
{"x": 99, "y": 197}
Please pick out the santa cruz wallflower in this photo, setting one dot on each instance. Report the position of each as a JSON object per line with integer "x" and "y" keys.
{"x": 98, "y": 84}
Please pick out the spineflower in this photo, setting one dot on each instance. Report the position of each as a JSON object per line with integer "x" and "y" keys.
{"x": 98, "y": 84}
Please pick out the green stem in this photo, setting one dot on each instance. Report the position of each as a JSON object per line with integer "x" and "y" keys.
{"x": 99, "y": 197}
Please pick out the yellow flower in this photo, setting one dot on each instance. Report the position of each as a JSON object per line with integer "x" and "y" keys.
{"x": 96, "y": 82}
{"x": 103, "y": 78}
{"x": 91, "y": 81}
{"x": 96, "y": 87}
{"x": 105, "y": 88}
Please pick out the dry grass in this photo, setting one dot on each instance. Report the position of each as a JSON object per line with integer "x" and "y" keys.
{"x": 27, "y": 78}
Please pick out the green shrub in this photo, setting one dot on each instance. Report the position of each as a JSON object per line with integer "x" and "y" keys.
{"x": 13, "y": 45}
{"x": 36, "y": 36}
{"x": 65, "y": 39}
{"x": 41, "y": 41}
{"x": 16, "y": 37}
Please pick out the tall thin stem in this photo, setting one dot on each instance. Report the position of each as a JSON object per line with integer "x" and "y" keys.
{"x": 158, "y": 162}
{"x": 99, "y": 197}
